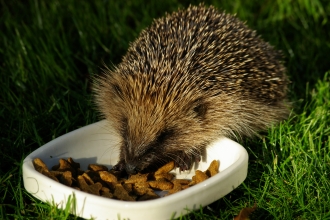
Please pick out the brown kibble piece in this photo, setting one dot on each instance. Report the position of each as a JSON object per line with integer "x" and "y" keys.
{"x": 108, "y": 177}
{"x": 142, "y": 185}
{"x": 104, "y": 189}
{"x": 107, "y": 195}
{"x": 176, "y": 187}
{"x": 121, "y": 194}
{"x": 48, "y": 174}
{"x": 88, "y": 179}
{"x": 164, "y": 176}
{"x": 97, "y": 167}
{"x": 82, "y": 183}
{"x": 42, "y": 168}
{"x": 133, "y": 196}
{"x": 161, "y": 185}
{"x": 66, "y": 178}
{"x": 150, "y": 194}
{"x": 193, "y": 182}
{"x": 137, "y": 178}
{"x": 64, "y": 165}
{"x": 73, "y": 164}
{"x": 95, "y": 188}
{"x": 95, "y": 176}
{"x": 166, "y": 168}
{"x": 39, "y": 165}
{"x": 213, "y": 168}
{"x": 57, "y": 174}
{"x": 181, "y": 181}
{"x": 200, "y": 176}
{"x": 128, "y": 187}
{"x": 92, "y": 189}
{"x": 140, "y": 190}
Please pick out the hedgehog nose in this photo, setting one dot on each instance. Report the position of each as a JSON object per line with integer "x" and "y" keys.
{"x": 130, "y": 168}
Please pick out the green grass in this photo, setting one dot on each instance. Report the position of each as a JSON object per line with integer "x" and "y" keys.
{"x": 50, "y": 49}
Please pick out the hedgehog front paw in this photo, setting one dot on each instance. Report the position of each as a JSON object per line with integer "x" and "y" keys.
{"x": 184, "y": 161}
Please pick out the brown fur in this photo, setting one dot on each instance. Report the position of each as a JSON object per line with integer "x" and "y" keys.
{"x": 189, "y": 78}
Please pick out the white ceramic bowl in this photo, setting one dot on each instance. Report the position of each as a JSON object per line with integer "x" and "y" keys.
{"x": 95, "y": 144}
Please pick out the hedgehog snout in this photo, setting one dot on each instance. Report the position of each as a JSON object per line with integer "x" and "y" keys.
{"x": 130, "y": 168}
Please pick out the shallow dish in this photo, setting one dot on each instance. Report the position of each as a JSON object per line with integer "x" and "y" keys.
{"x": 96, "y": 143}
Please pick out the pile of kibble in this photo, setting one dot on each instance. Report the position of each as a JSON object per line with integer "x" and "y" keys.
{"x": 98, "y": 180}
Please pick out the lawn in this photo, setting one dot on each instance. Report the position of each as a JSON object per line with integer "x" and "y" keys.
{"x": 49, "y": 50}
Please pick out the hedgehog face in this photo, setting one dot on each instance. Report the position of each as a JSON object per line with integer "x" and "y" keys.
{"x": 157, "y": 135}
{"x": 157, "y": 120}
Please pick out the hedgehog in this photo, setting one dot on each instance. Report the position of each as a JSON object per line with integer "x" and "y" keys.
{"x": 189, "y": 78}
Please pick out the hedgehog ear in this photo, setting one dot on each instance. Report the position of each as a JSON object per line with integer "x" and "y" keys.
{"x": 200, "y": 109}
